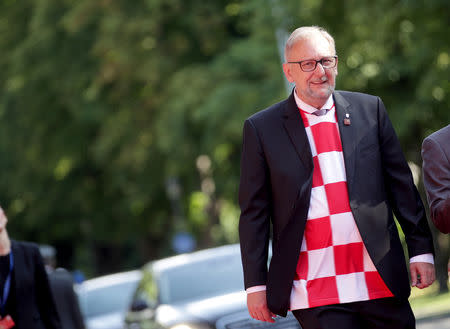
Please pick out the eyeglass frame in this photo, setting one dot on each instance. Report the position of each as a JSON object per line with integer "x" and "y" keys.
{"x": 316, "y": 62}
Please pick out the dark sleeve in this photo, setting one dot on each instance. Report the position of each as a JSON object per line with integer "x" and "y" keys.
{"x": 402, "y": 193}
{"x": 254, "y": 201}
{"x": 77, "y": 316}
{"x": 436, "y": 179}
{"x": 44, "y": 296}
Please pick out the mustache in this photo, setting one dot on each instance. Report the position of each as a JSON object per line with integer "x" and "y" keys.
{"x": 322, "y": 79}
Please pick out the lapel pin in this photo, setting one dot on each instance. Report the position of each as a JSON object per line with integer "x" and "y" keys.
{"x": 347, "y": 119}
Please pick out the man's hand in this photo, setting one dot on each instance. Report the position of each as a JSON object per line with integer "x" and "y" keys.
{"x": 257, "y": 306}
{"x": 422, "y": 274}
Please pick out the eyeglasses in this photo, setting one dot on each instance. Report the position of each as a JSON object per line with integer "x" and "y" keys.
{"x": 309, "y": 65}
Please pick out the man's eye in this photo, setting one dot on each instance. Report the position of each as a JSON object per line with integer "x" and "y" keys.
{"x": 308, "y": 64}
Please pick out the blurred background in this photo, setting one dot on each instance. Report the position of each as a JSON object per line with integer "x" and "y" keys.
{"x": 121, "y": 121}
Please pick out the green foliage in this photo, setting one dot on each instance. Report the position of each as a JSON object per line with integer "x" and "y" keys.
{"x": 103, "y": 102}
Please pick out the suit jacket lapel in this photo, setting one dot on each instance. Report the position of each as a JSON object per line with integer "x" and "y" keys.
{"x": 293, "y": 123}
{"x": 348, "y": 136}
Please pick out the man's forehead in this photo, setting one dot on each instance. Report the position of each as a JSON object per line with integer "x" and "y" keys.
{"x": 311, "y": 46}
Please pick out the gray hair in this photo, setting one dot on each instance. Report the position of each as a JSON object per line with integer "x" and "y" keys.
{"x": 306, "y": 32}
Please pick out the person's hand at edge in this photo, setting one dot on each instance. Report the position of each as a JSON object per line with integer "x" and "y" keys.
{"x": 3, "y": 219}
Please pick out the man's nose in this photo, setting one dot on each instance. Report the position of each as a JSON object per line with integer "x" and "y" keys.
{"x": 319, "y": 68}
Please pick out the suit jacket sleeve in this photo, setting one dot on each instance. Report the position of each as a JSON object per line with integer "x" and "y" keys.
{"x": 44, "y": 296}
{"x": 254, "y": 200}
{"x": 402, "y": 193}
{"x": 436, "y": 178}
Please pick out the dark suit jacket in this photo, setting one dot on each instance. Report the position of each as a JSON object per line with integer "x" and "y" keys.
{"x": 66, "y": 299}
{"x": 436, "y": 176}
{"x": 35, "y": 307}
{"x": 275, "y": 188}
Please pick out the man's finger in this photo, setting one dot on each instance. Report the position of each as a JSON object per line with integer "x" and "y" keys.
{"x": 413, "y": 278}
{"x": 264, "y": 315}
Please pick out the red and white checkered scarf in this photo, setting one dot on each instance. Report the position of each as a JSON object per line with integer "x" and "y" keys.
{"x": 334, "y": 266}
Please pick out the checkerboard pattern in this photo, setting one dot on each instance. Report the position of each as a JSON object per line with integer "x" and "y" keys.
{"x": 334, "y": 266}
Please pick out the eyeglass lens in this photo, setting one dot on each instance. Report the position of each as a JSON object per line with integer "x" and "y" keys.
{"x": 327, "y": 62}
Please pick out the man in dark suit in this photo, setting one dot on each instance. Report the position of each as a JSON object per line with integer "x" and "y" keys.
{"x": 61, "y": 284}
{"x": 324, "y": 170}
{"x": 436, "y": 176}
{"x": 29, "y": 301}
{"x": 67, "y": 303}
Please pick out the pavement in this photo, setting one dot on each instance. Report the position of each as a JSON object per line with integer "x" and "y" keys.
{"x": 437, "y": 321}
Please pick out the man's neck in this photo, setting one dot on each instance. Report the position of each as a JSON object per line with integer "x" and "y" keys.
{"x": 311, "y": 108}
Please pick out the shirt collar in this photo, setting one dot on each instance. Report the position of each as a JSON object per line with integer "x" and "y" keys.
{"x": 310, "y": 109}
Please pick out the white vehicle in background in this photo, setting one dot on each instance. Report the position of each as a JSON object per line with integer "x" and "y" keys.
{"x": 198, "y": 290}
{"x": 104, "y": 300}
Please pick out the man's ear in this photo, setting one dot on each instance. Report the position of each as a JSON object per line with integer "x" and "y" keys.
{"x": 287, "y": 72}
